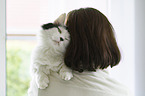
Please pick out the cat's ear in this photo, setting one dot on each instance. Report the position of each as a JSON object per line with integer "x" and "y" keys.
{"x": 60, "y": 20}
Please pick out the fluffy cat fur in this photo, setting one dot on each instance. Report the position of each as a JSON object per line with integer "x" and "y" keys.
{"x": 48, "y": 54}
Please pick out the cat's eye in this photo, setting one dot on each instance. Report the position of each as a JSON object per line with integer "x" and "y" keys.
{"x": 66, "y": 39}
{"x": 59, "y": 30}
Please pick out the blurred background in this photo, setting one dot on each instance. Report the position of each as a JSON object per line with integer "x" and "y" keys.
{"x": 25, "y": 17}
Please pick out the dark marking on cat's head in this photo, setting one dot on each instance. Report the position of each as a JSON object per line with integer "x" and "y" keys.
{"x": 51, "y": 25}
{"x": 48, "y": 26}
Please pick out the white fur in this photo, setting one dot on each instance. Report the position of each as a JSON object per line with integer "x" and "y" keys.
{"x": 48, "y": 55}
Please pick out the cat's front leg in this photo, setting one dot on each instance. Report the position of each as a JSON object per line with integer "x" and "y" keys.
{"x": 42, "y": 80}
{"x": 65, "y": 73}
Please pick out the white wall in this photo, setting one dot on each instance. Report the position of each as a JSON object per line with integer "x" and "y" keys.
{"x": 140, "y": 47}
{"x": 121, "y": 15}
{"x": 128, "y": 19}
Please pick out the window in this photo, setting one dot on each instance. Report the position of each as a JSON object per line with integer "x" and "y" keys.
{"x": 24, "y": 20}
{"x": 18, "y": 61}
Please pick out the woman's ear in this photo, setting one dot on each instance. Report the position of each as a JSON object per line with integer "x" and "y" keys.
{"x": 60, "y": 20}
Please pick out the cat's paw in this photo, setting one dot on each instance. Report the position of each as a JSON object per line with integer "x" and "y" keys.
{"x": 42, "y": 82}
{"x": 66, "y": 75}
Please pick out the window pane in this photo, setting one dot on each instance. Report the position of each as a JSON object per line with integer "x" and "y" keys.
{"x": 18, "y": 62}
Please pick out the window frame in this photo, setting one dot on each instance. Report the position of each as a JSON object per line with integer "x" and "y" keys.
{"x": 3, "y": 47}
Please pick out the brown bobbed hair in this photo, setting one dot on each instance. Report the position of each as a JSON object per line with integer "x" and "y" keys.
{"x": 92, "y": 42}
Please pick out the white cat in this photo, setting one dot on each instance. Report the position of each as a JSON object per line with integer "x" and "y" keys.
{"x": 48, "y": 56}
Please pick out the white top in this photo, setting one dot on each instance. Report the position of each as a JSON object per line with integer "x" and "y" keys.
{"x": 82, "y": 84}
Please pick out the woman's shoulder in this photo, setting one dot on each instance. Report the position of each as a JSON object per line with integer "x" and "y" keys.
{"x": 97, "y": 83}
{"x": 102, "y": 81}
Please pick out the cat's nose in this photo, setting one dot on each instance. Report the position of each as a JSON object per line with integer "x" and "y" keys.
{"x": 61, "y": 39}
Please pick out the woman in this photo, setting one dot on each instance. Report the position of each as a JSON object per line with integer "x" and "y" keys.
{"x": 92, "y": 49}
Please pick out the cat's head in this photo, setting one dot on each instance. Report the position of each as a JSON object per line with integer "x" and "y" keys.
{"x": 55, "y": 35}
